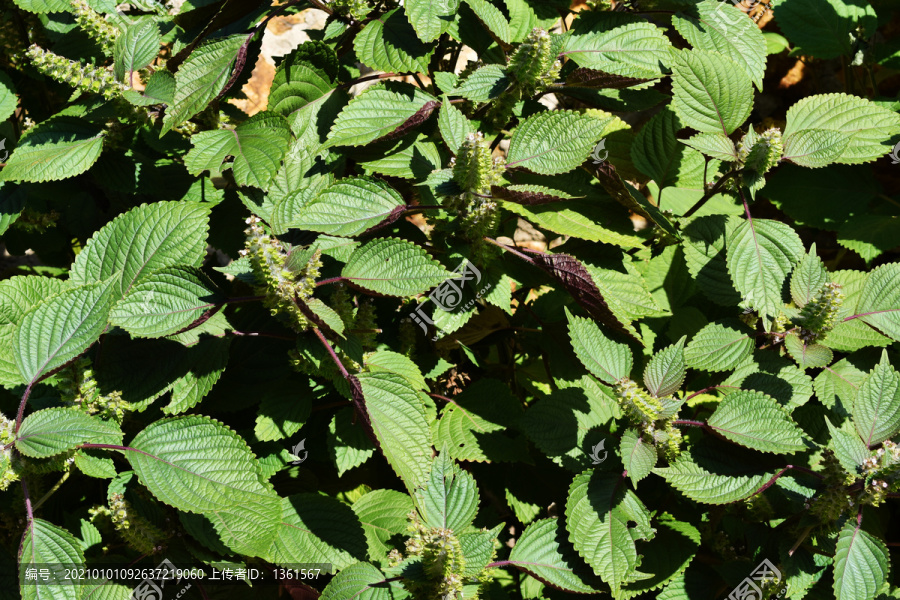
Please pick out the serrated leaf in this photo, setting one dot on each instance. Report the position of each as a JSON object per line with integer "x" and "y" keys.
{"x": 317, "y": 529}
{"x": 454, "y": 125}
{"x": 389, "y": 43}
{"x": 607, "y": 360}
{"x": 848, "y": 448}
{"x": 638, "y": 457}
{"x": 201, "y": 78}
{"x": 492, "y": 18}
{"x": 565, "y": 219}
{"x": 430, "y": 18}
{"x": 8, "y": 98}
{"x": 869, "y": 128}
{"x": 720, "y": 27}
{"x": 665, "y": 372}
{"x": 198, "y": 465}
{"x": 808, "y": 278}
{"x": 52, "y": 431}
{"x": 484, "y": 84}
{"x": 165, "y": 302}
{"x": 44, "y": 543}
{"x": 861, "y": 563}
{"x": 21, "y": 293}
{"x": 674, "y": 547}
{"x": 656, "y": 152}
{"x": 58, "y": 148}
{"x": 599, "y": 516}
{"x": 545, "y": 552}
{"x": 350, "y": 207}
{"x": 807, "y": 355}
{"x": 716, "y": 145}
{"x": 879, "y": 301}
{"x": 760, "y": 255}
{"x": 531, "y": 194}
{"x": 706, "y": 257}
{"x": 393, "y": 362}
{"x": 825, "y": 28}
{"x": 204, "y": 366}
{"x": 377, "y": 112}
{"x": 143, "y": 240}
{"x": 360, "y": 581}
{"x": 719, "y": 347}
{"x": 60, "y": 328}
{"x": 411, "y": 158}
{"x": 815, "y": 148}
{"x": 450, "y": 496}
{"x": 95, "y": 466}
{"x": 757, "y": 421}
{"x": 711, "y": 92}
{"x": 393, "y": 267}
{"x": 701, "y": 485}
{"x": 347, "y": 442}
{"x": 876, "y": 409}
{"x": 383, "y": 515}
{"x": 630, "y": 50}
{"x": 398, "y": 419}
{"x": 136, "y": 47}
{"x": 554, "y": 141}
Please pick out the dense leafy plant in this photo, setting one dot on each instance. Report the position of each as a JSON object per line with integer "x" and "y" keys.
{"x": 226, "y": 353}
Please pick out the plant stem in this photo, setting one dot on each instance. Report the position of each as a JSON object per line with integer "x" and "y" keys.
{"x": 527, "y": 259}
{"x": 28, "y": 510}
{"x": 43, "y": 499}
{"x": 712, "y": 192}
{"x": 22, "y": 404}
{"x": 327, "y": 281}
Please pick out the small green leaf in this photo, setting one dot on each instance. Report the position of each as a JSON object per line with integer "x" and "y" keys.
{"x": 359, "y": 581}
{"x": 430, "y": 18}
{"x": 136, "y": 48}
{"x": 712, "y": 93}
{"x": 716, "y": 145}
{"x": 861, "y": 563}
{"x": 876, "y": 410}
{"x": 607, "y": 360}
{"x": 808, "y": 356}
{"x": 638, "y": 456}
{"x": 52, "y": 431}
{"x": 454, "y": 125}
{"x": 492, "y": 18}
{"x": 719, "y": 347}
{"x": 393, "y": 267}
{"x": 383, "y": 515}
{"x": 808, "y": 278}
{"x": 665, "y": 372}
{"x": 879, "y": 301}
{"x": 58, "y": 148}
{"x": 757, "y": 421}
{"x": 450, "y": 496}
{"x": 848, "y": 448}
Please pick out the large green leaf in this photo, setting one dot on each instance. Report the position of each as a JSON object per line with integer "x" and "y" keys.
{"x": 711, "y": 92}
{"x": 257, "y": 145}
{"x": 349, "y": 207}
{"x": 554, "y": 141}
{"x": 861, "y": 563}
{"x": 394, "y": 267}
{"x": 719, "y": 347}
{"x": 492, "y": 18}
{"x": 814, "y": 148}
{"x": 869, "y": 128}
{"x": 201, "y": 78}
{"x": 430, "y": 18}
{"x": 44, "y": 6}
{"x": 545, "y": 552}
{"x": 317, "y": 529}
{"x": 879, "y": 301}
{"x": 136, "y": 48}
{"x": 143, "y": 240}
{"x": 389, "y": 43}
{"x": 760, "y": 255}
{"x": 757, "y": 421}
{"x": 701, "y": 485}
{"x": 450, "y": 497}
{"x": 399, "y": 421}
{"x": 379, "y": 111}
{"x": 58, "y": 148}
{"x": 609, "y": 361}
{"x": 630, "y": 50}
{"x": 605, "y": 520}
{"x": 44, "y": 543}
{"x": 719, "y": 27}
{"x": 824, "y": 28}
{"x": 51, "y": 431}
{"x": 876, "y": 410}
{"x": 60, "y": 328}
{"x": 383, "y": 515}
{"x": 359, "y": 581}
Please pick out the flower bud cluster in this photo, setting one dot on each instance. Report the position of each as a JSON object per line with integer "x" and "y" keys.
{"x": 819, "y": 315}
{"x": 96, "y": 26}
{"x": 87, "y": 78}
{"x": 139, "y": 533}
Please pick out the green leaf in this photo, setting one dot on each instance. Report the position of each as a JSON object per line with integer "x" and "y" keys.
{"x": 411, "y": 158}
{"x": 719, "y": 347}
{"x": 716, "y": 145}
{"x": 605, "y": 520}
{"x": 317, "y": 529}
{"x": 202, "y": 77}
{"x": 656, "y": 152}
{"x": 165, "y": 302}
{"x": 58, "y": 148}
{"x": 21, "y": 293}
{"x": 848, "y": 448}
{"x": 760, "y": 255}
{"x": 454, "y": 125}
{"x": 701, "y": 485}
{"x": 711, "y": 92}
{"x": 95, "y": 466}
{"x": 389, "y": 43}
{"x": 545, "y": 552}
{"x": 8, "y": 98}
{"x": 360, "y": 581}
{"x": 44, "y": 6}
{"x": 861, "y": 563}
{"x": 848, "y": 336}
{"x": 348, "y": 445}
{"x": 554, "y": 141}
{"x": 198, "y": 465}
{"x": 484, "y": 84}
{"x": 876, "y": 410}
{"x": 674, "y": 547}
{"x": 136, "y": 48}
{"x": 393, "y": 362}
{"x": 398, "y": 419}
{"x": 144, "y": 240}
{"x": 815, "y": 148}
{"x": 383, "y": 515}
{"x": 630, "y": 50}
{"x": 60, "y": 328}
{"x": 808, "y": 278}
{"x": 394, "y": 267}
{"x": 826, "y": 28}
{"x": 568, "y": 218}
{"x": 879, "y": 301}
{"x": 718, "y": 27}
{"x": 492, "y": 18}
{"x": 808, "y": 356}
{"x": 52, "y": 431}
{"x": 705, "y": 254}
{"x": 665, "y": 372}
{"x": 450, "y": 497}
{"x": 757, "y": 421}
{"x": 205, "y": 364}
{"x": 638, "y": 456}
{"x": 44, "y": 543}
{"x": 379, "y": 111}
{"x": 607, "y": 360}
{"x": 870, "y": 235}
{"x": 868, "y": 127}
{"x": 430, "y": 18}
{"x": 350, "y": 207}
{"x": 257, "y": 145}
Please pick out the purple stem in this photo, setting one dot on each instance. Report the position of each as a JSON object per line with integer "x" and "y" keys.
{"x": 28, "y": 510}
{"x": 327, "y": 281}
